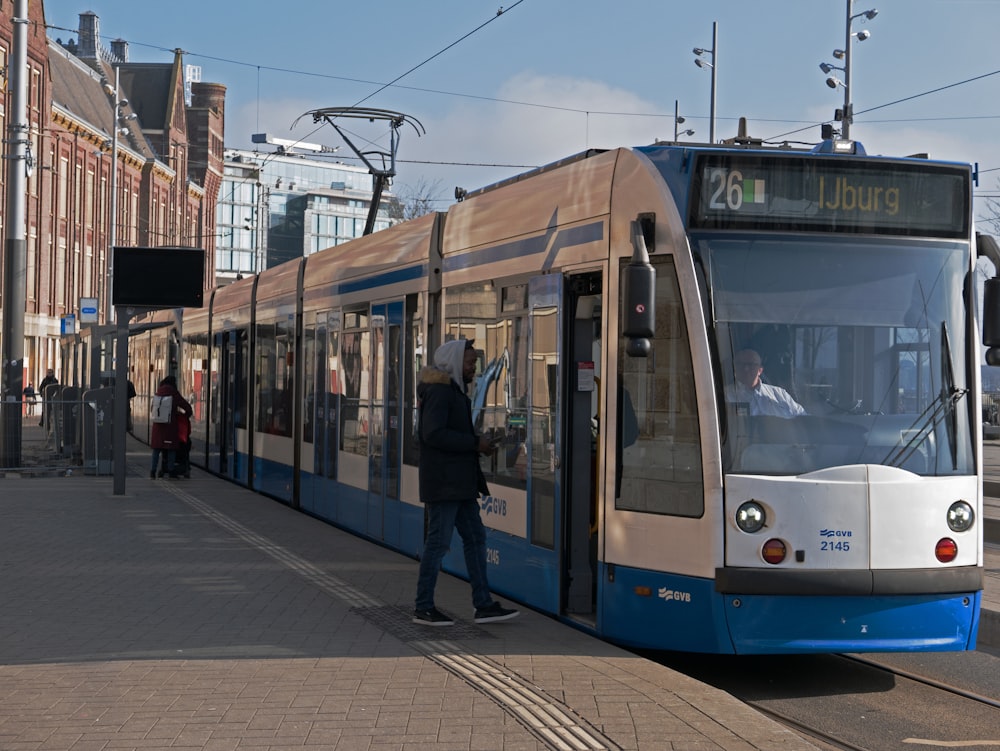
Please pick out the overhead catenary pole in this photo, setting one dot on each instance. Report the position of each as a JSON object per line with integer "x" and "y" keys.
{"x": 715, "y": 73}
{"x": 845, "y": 123}
{"x": 15, "y": 252}
{"x": 113, "y": 204}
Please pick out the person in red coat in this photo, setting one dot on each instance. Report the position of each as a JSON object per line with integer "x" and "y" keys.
{"x": 164, "y": 436}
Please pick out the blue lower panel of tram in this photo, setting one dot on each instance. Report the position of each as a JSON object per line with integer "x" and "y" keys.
{"x": 774, "y": 624}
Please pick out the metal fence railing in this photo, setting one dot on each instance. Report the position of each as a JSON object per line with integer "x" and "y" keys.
{"x": 57, "y": 436}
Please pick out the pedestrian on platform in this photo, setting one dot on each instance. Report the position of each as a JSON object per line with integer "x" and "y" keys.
{"x": 49, "y": 380}
{"x": 451, "y": 481}
{"x": 167, "y": 404}
{"x": 30, "y": 398}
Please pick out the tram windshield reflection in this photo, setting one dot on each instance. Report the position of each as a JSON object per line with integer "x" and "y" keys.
{"x": 866, "y": 336}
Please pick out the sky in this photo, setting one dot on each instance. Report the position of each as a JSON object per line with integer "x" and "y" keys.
{"x": 497, "y": 93}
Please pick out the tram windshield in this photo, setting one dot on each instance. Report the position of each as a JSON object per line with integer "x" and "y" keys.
{"x": 837, "y": 353}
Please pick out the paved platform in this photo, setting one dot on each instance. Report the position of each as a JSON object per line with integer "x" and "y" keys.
{"x": 989, "y": 624}
{"x": 193, "y": 614}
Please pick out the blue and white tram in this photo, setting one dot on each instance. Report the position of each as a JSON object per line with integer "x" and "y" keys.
{"x": 632, "y": 493}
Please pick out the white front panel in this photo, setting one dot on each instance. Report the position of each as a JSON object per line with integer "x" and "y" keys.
{"x": 825, "y": 519}
{"x": 853, "y": 517}
{"x": 909, "y": 517}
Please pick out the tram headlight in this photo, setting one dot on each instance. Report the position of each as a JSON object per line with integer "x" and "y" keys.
{"x": 750, "y": 517}
{"x": 960, "y": 516}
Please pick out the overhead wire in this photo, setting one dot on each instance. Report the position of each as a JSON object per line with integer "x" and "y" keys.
{"x": 394, "y": 83}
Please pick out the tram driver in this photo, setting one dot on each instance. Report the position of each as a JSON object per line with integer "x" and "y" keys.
{"x": 761, "y": 398}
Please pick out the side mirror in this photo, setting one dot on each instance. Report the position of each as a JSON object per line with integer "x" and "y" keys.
{"x": 987, "y": 246}
{"x": 639, "y": 296}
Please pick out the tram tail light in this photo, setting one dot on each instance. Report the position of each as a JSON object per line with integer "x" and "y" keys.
{"x": 946, "y": 550}
{"x": 774, "y": 551}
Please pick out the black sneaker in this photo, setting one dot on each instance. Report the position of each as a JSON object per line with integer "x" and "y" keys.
{"x": 432, "y": 617}
{"x": 495, "y": 612}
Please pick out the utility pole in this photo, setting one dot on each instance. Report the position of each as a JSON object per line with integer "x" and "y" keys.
{"x": 845, "y": 123}
{"x": 19, "y": 165}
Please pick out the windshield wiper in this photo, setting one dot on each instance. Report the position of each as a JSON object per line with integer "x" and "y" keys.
{"x": 943, "y": 406}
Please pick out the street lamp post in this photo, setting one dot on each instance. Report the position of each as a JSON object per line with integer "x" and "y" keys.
{"x": 116, "y": 131}
{"x": 846, "y": 115}
{"x": 714, "y": 66}
{"x": 678, "y": 120}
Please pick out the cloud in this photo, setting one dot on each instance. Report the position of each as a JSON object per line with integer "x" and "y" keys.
{"x": 572, "y": 115}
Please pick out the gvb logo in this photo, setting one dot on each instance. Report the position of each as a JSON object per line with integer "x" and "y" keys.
{"x": 673, "y": 594}
{"x": 493, "y": 505}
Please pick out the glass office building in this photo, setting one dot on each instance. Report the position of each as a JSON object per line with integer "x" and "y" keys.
{"x": 274, "y": 207}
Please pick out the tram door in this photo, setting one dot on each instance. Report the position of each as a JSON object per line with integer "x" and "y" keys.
{"x": 563, "y": 381}
{"x": 384, "y": 421}
{"x": 582, "y": 416}
{"x": 231, "y": 404}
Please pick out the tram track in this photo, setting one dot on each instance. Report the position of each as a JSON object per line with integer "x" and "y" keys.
{"x": 866, "y": 702}
{"x": 834, "y": 742}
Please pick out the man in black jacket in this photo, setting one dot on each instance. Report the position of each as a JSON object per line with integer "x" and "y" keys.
{"x": 451, "y": 481}
{"x": 49, "y": 380}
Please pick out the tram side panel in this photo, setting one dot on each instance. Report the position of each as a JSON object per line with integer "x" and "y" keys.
{"x": 661, "y": 490}
{"x": 229, "y": 407}
{"x": 196, "y": 377}
{"x": 274, "y": 428}
{"x": 512, "y": 257}
{"x": 365, "y": 324}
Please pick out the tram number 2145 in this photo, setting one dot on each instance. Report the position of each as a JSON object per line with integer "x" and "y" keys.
{"x": 835, "y": 546}
{"x": 493, "y": 556}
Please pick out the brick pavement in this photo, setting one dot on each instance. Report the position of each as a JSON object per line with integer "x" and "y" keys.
{"x": 197, "y": 615}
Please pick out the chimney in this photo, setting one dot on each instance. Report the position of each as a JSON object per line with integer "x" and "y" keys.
{"x": 90, "y": 35}
{"x": 119, "y": 48}
{"x": 209, "y": 95}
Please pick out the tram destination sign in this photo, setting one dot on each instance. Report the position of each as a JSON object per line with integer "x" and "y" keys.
{"x": 830, "y": 194}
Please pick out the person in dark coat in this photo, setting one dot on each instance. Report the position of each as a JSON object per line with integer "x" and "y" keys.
{"x": 163, "y": 436}
{"x": 451, "y": 481}
{"x": 49, "y": 380}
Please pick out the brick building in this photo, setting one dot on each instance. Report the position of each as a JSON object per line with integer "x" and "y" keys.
{"x": 167, "y": 134}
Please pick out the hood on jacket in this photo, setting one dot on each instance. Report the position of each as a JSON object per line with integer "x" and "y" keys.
{"x": 450, "y": 358}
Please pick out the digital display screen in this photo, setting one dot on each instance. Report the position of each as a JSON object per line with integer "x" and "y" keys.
{"x": 158, "y": 277}
{"x": 838, "y": 194}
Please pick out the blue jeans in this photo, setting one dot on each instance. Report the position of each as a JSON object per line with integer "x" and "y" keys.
{"x": 444, "y": 517}
{"x": 170, "y": 454}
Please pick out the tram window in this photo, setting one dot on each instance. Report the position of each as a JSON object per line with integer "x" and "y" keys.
{"x": 414, "y": 356}
{"x": 659, "y": 454}
{"x": 354, "y": 357}
{"x": 499, "y": 391}
{"x": 242, "y": 377}
{"x": 309, "y": 385}
{"x": 330, "y": 354}
{"x": 274, "y": 378}
{"x": 196, "y": 358}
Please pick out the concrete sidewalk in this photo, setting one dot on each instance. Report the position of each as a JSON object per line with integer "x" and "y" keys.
{"x": 198, "y": 615}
